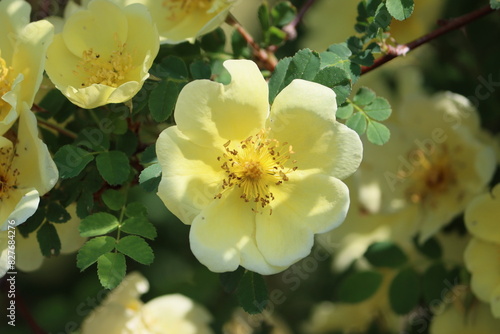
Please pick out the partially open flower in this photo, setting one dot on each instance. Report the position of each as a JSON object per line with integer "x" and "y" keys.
{"x": 482, "y": 253}
{"x": 23, "y": 48}
{"x": 27, "y": 172}
{"x": 256, "y": 185}
{"x": 103, "y": 54}
{"x": 122, "y": 312}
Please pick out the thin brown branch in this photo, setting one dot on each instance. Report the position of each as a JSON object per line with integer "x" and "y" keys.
{"x": 57, "y": 128}
{"x": 267, "y": 60}
{"x": 450, "y": 25}
{"x": 291, "y": 28}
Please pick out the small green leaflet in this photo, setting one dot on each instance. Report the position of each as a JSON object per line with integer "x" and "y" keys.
{"x": 495, "y": 4}
{"x": 111, "y": 268}
{"x": 252, "y": 293}
{"x": 93, "y": 249}
{"x": 114, "y": 167}
{"x": 400, "y": 9}
{"x": 98, "y": 224}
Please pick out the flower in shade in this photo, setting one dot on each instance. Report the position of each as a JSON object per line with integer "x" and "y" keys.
{"x": 28, "y": 254}
{"x": 482, "y": 253}
{"x": 27, "y": 172}
{"x": 256, "y": 182}
{"x": 122, "y": 312}
{"x": 103, "y": 54}
{"x": 437, "y": 160}
{"x": 23, "y": 48}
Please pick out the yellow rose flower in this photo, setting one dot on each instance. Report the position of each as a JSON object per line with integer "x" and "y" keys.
{"x": 475, "y": 319}
{"x": 481, "y": 255}
{"x": 103, "y": 54}
{"x": 27, "y": 172}
{"x": 256, "y": 183}
{"x": 437, "y": 160}
{"x": 23, "y": 47}
{"x": 122, "y": 312}
{"x": 185, "y": 20}
{"x": 28, "y": 254}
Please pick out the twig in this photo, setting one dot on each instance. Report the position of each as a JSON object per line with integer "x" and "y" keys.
{"x": 59, "y": 129}
{"x": 447, "y": 27}
{"x": 268, "y": 60}
{"x": 291, "y": 28}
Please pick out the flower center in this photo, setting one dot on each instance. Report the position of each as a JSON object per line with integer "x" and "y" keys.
{"x": 110, "y": 72}
{"x": 8, "y": 177}
{"x": 5, "y": 86}
{"x": 176, "y": 9}
{"x": 255, "y": 164}
{"x": 433, "y": 176}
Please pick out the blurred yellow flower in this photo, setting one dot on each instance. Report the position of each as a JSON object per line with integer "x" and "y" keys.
{"x": 457, "y": 319}
{"x": 482, "y": 253}
{"x": 23, "y": 47}
{"x": 122, "y": 312}
{"x": 27, "y": 172}
{"x": 437, "y": 160}
{"x": 256, "y": 183}
{"x": 28, "y": 254}
{"x": 185, "y": 20}
{"x": 103, "y": 54}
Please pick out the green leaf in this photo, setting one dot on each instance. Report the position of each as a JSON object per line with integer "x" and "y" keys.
{"x": 276, "y": 82}
{"x": 404, "y": 291}
{"x": 136, "y": 209}
{"x": 359, "y": 286}
{"x": 49, "y": 241}
{"x": 364, "y": 96}
{"x": 345, "y": 111}
{"x": 430, "y": 248}
{"x": 263, "y": 16}
{"x": 92, "y": 139}
{"x": 127, "y": 143}
{"x": 283, "y": 13}
{"x": 149, "y": 155}
{"x": 162, "y": 100}
{"x": 200, "y": 70}
{"x": 377, "y": 133}
{"x": 231, "y": 280}
{"x": 113, "y": 199}
{"x": 340, "y": 49}
{"x": 150, "y": 177}
{"x": 92, "y": 250}
{"x": 433, "y": 283}
{"x": 275, "y": 36}
{"x": 111, "y": 268}
{"x": 71, "y": 160}
{"x": 337, "y": 79}
{"x": 214, "y": 41}
{"x": 113, "y": 166}
{"x": 98, "y": 224}
{"x": 379, "y": 109}
{"x": 33, "y": 222}
{"x": 304, "y": 65}
{"x": 385, "y": 254}
{"x": 357, "y": 122}
{"x": 400, "y": 9}
{"x": 173, "y": 69}
{"x": 495, "y": 4}
{"x": 85, "y": 204}
{"x": 56, "y": 213}
{"x": 252, "y": 293}
{"x": 139, "y": 226}
{"x": 136, "y": 248}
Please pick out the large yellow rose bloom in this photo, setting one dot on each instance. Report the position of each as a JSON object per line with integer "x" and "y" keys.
{"x": 103, "y": 54}
{"x": 23, "y": 46}
{"x": 256, "y": 183}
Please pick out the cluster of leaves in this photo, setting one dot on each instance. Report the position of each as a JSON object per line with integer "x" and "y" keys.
{"x": 408, "y": 288}
{"x": 273, "y": 20}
